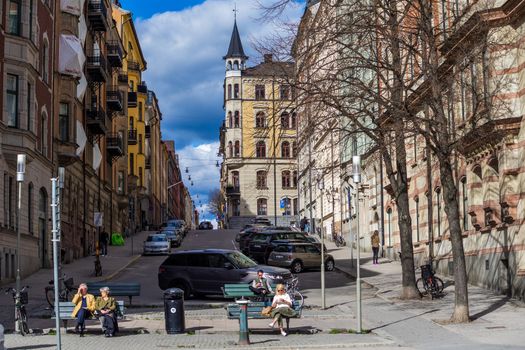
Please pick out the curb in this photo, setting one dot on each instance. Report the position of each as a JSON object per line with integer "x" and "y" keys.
{"x": 114, "y": 274}
{"x": 351, "y": 275}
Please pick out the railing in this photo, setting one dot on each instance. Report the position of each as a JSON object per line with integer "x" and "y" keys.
{"x": 123, "y": 76}
{"x": 114, "y": 141}
{"x": 132, "y": 65}
{"x": 132, "y": 136}
{"x": 98, "y": 15}
{"x": 132, "y": 99}
{"x": 142, "y": 89}
{"x": 96, "y": 115}
{"x": 114, "y": 95}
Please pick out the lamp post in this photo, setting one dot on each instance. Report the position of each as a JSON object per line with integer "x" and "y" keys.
{"x": 20, "y": 171}
{"x": 320, "y": 184}
{"x": 356, "y": 173}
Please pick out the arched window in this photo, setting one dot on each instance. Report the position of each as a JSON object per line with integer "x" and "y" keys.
{"x": 262, "y": 206}
{"x": 131, "y": 123}
{"x": 237, "y": 119}
{"x": 294, "y": 179}
{"x": 229, "y": 66}
{"x": 261, "y": 179}
{"x": 260, "y": 120}
{"x": 30, "y": 207}
{"x": 236, "y": 65}
{"x": 43, "y": 134}
{"x": 294, "y": 149}
{"x": 286, "y": 179}
{"x": 285, "y": 149}
{"x": 285, "y": 120}
{"x": 230, "y": 149}
{"x": 236, "y": 91}
{"x": 260, "y": 150}
{"x": 294, "y": 120}
{"x": 287, "y": 206}
{"x": 235, "y": 179}
{"x": 45, "y": 61}
{"x": 237, "y": 148}
{"x": 229, "y": 91}
{"x": 230, "y": 120}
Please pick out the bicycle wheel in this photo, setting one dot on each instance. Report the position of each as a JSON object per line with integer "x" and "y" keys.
{"x": 50, "y": 296}
{"x": 438, "y": 285}
{"x": 21, "y": 320}
{"x": 421, "y": 286}
{"x": 297, "y": 296}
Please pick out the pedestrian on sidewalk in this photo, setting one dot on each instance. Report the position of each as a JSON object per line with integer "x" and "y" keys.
{"x": 103, "y": 241}
{"x": 84, "y": 307}
{"x": 281, "y": 308}
{"x": 106, "y": 308}
{"x": 302, "y": 223}
{"x": 375, "y": 246}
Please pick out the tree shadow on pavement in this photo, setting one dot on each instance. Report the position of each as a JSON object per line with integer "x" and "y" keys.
{"x": 404, "y": 319}
{"x": 307, "y": 330}
{"x": 498, "y": 304}
{"x": 30, "y": 347}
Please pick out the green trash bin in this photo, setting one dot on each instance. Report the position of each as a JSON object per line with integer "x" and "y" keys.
{"x": 117, "y": 239}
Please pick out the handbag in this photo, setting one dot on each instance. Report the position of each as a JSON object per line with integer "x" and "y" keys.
{"x": 266, "y": 311}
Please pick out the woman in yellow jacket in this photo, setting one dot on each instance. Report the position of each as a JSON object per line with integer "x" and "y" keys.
{"x": 84, "y": 307}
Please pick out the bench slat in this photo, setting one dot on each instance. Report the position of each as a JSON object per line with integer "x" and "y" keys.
{"x": 67, "y": 307}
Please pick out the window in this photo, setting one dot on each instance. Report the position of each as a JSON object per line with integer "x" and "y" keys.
{"x": 10, "y": 203}
{"x": 285, "y": 120}
{"x": 43, "y": 134}
{"x": 438, "y": 214}
{"x": 120, "y": 182}
{"x": 236, "y": 65}
{"x": 417, "y": 219}
{"x": 261, "y": 179}
{"x": 237, "y": 148}
{"x": 464, "y": 194}
{"x": 30, "y": 20}
{"x": 259, "y": 92}
{"x": 236, "y": 91}
{"x": 140, "y": 144}
{"x": 286, "y": 204}
{"x": 140, "y": 111}
{"x": 262, "y": 206}
{"x": 12, "y": 100}
{"x": 30, "y": 207}
{"x": 286, "y": 179}
{"x": 229, "y": 91}
{"x": 294, "y": 179}
{"x": 29, "y": 109}
{"x": 235, "y": 179}
{"x": 260, "y": 120}
{"x": 295, "y": 206}
{"x": 285, "y": 149}
{"x": 230, "y": 120}
{"x": 294, "y": 120}
{"x": 63, "y": 122}
{"x": 141, "y": 182}
{"x": 237, "y": 119}
{"x": 230, "y": 149}
{"x": 260, "y": 150}
{"x": 285, "y": 92}
{"x": 14, "y": 19}
{"x": 294, "y": 149}
{"x": 197, "y": 260}
{"x": 132, "y": 163}
{"x": 45, "y": 61}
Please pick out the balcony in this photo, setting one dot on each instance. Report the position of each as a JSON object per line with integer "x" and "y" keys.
{"x": 132, "y": 65}
{"x": 132, "y": 182}
{"x": 97, "y": 68}
{"x": 233, "y": 191}
{"x": 143, "y": 89}
{"x": 123, "y": 77}
{"x": 97, "y": 15}
{"x": 96, "y": 121}
{"x": 132, "y": 137}
{"x": 114, "y": 145}
{"x": 114, "y": 99}
{"x": 148, "y": 162}
{"x": 122, "y": 201}
{"x": 66, "y": 152}
{"x": 132, "y": 99}
{"x": 115, "y": 54}
{"x": 147, "y": 132}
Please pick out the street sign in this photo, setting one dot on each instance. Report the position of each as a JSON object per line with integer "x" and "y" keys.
{"x": 99, "y": 218}
{"x": 282, "y": 203}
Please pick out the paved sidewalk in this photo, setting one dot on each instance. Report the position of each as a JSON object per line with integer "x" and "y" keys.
{"x": 81, "y": 270}
{"x": 496, "y": 319}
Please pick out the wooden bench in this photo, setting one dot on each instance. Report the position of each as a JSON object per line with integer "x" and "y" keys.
{"x": 67, "y": 307}
{"x": 115, "y": 289}
{"x": 242, "y": 291}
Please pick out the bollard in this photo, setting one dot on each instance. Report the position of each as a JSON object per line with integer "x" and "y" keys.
{"x": 1, "y": 337}
{"x": 244, "y": 336}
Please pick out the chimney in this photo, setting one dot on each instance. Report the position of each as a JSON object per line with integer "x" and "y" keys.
{"x": 268, "y": 58}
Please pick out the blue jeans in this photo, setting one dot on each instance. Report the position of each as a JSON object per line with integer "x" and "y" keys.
{"x": 81, "y": 317}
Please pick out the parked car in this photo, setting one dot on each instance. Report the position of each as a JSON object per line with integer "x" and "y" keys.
{"x": 260, "y": 244}
{"x": 244, "y": 237}
{"x": 174, "y": 236}
{"x": 204, "y": 272}
{"x": 263, "y": 221}
{"x": 156, "y": 244}
{"x": 178, "y": 225}
{"x": 299, "y": 256}
{"x": 205, "y": 225}
{"x": 282, "y": 228}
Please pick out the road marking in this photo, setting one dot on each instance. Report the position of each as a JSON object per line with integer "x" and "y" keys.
{"x": 234, "y": 246}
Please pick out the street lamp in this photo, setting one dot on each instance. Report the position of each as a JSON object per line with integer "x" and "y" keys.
{"x": 20, "y": 171}
{"x": 320, "y": 184}
{"x": 356, "y": 174}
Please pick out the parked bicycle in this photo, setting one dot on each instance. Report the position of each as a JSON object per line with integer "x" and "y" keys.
{"x": 339, "y": 240}
{"x": 21, "y": 298}
{"x": 66, "y": 292}
{"x": 428, "y": 283}
{"x": 292, "y": 288}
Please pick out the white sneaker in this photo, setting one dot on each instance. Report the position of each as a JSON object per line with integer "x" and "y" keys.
{"x": 284, "y": 333}
{"x": 271, "y": 325}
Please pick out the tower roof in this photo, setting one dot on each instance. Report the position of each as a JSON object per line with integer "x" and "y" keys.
{"x": 235, "y": 50}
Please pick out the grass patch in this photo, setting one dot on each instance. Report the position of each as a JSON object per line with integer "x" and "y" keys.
{"x": 347, "y": 331}
{"x": 52, "y": 332}
{"x": 190, "y": 332}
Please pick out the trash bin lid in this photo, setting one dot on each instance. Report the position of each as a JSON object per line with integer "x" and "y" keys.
{"x": 174, "y": 293}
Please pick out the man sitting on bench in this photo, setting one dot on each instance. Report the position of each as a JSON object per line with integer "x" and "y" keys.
{"x": 260, "y": 286}
{"x": 84, "y": 307}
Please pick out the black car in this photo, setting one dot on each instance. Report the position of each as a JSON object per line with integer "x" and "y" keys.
{"x": 204, "y": 272}
{"x": 260, "y": 245}
{"x": 205, "y": 225}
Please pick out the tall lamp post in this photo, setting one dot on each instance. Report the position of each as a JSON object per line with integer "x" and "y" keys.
{"x": 356, "y": 170}
{"x": 320, "y": 184}
{"x": 20, "y": 171}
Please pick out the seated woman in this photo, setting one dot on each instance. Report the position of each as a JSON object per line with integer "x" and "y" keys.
{"x": 106, "y": 308}
{"x": 282, "y": 308}
{"x": 84, "y": 307}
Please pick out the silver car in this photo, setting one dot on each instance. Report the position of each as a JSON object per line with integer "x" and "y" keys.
{"x": 299, "y": 256}
{"x": 175, "y": 237}
{"x": 157, "y": 244}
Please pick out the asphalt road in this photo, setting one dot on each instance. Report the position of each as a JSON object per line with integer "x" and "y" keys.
{"x": 339, "y": 286}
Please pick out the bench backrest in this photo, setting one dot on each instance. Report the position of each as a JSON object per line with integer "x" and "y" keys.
{"x": 67, "y": 307}
{"x": 115, "y": 289}
{"x": 238, "y": 290}
{"x": 255, "y": 308}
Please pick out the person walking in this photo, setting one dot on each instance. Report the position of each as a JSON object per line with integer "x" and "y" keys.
{"x": 103, "y": 241}
{"x": 282, "y": 307}
{"x": 375, "y": 246}
{"x": 302, "y": 224}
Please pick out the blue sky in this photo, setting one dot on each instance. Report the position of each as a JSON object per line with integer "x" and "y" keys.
{"x": 183, "y": 42}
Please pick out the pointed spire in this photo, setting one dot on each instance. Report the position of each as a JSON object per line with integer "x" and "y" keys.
{"x": 235, "y": 50}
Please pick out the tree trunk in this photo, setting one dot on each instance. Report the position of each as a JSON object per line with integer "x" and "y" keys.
{"x": 461, "y": 307}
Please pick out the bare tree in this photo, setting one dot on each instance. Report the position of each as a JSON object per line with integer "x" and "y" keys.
{"x": 216, "y": 202}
